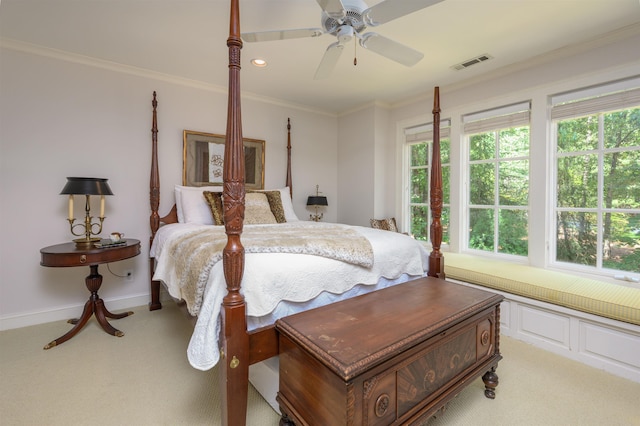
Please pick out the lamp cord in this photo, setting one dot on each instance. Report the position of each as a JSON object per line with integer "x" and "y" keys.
{"x": 114, "y": 274}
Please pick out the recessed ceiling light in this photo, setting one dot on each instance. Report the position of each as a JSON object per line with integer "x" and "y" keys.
{"x": 260, "y": 63}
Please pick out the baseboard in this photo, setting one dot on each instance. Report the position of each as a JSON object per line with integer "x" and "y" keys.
{"x": 9, "y": 322}
{"x": 603, "y": 343}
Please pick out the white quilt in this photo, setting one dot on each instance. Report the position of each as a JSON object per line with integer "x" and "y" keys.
{"x": 277, "y": 284}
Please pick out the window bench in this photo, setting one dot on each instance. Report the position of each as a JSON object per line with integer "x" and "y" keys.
{"x": 591, "y": 321}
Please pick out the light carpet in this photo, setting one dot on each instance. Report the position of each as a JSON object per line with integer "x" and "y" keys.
{"x": 144, "y": 378}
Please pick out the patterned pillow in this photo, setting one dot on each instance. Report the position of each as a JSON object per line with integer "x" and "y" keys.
{"x": 275, "y": 204}
{"x": 214, "y": 200}
{"x": 384, "y": 224}
{"x": 257, "y": 210}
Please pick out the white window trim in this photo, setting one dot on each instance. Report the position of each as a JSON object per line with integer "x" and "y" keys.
{"x": 541, "y": 190}
{"x": 596, "y": 99}
{"x": 410, "y": 135}
{"x": 502, "y": 117}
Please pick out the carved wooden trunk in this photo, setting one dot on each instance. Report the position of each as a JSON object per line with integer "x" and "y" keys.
{"x": 395, "y": 356}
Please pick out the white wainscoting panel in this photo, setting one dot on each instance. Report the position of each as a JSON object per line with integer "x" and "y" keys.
{"x": 603, "y": 343}
{"x": 544, "y": 325}
{"x": 595, "y": 340}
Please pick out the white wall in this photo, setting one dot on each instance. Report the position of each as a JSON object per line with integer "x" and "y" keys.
{"x": 356, "y": 166}
{"x": 384, "y": 165}
{"x": 68, "y": 116}
{"x": 366, "y": 165}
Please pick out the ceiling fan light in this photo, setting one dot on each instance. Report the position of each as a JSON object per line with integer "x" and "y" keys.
{"x": 345, "y": 34}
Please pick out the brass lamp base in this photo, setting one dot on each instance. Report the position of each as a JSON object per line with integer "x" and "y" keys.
{"x": 85, "y": 243}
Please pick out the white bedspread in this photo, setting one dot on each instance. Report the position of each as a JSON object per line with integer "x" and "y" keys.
{"x": 276, "y": 284}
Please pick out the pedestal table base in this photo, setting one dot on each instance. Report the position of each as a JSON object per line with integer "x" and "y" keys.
{"x": 95, "y": 305}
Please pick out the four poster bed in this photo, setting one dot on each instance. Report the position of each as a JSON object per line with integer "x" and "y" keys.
{"x": 240, "y": 285}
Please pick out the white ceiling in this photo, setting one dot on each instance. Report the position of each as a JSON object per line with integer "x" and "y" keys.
{"x": 187, "y": 39}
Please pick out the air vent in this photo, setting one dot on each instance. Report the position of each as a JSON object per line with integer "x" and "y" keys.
{"x": 472, "y": 61}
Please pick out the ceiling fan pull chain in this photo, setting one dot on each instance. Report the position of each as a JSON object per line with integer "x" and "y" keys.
{"x": 355, "y": 47}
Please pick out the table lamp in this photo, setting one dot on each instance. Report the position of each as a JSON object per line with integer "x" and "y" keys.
{"x": 86, "y": 186}
{"x": 317, "y": 201}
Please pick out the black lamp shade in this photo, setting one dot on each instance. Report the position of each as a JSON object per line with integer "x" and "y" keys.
{"x": 86, "y": 186}
{"x": 317, "y": 200}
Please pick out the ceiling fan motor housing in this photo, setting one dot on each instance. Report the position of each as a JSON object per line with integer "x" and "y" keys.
{"x": 352, "y": 18}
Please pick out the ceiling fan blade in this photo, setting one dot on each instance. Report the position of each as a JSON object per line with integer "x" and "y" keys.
{"x": 389, "y": 10}
{"x": 391, "y": 49}
{"x": 333, "y": 8}
{"x": 329, "y": 61}
{"x": 282, "y": 34}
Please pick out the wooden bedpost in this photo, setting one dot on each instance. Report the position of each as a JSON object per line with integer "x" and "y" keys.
{"x": 436, "y": 260}
{"x": 234, "y": 361}
{"x": 289, "y": 180}
{"x": 154, "y": 198}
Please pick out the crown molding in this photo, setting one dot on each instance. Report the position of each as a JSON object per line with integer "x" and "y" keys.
{"x": 62, "y": 55}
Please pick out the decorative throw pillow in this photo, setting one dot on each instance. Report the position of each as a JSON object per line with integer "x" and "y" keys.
{"x": 214, "y": 200}
{"x": 275, "y": 203}
{"x": 257, "y": 210}
{"x": 385, "y": 224}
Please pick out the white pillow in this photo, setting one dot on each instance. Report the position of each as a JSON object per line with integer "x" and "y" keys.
{"x": 257, "y": 210}
{"x": 191, "y": 204}
{"x": 287, "y": 205}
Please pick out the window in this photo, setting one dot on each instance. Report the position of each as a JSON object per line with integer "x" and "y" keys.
{"x": 419, "y": 142}
{"x": 498, "y": 180}
{"x": 597, "y": 177}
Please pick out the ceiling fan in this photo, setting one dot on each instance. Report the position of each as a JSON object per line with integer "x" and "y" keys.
{"x": 346, "y": 19}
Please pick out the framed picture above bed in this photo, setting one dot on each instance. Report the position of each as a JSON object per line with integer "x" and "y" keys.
{"x": 203, "y": 158}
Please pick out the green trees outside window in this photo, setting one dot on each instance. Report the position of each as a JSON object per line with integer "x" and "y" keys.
{"x": 598, "y": 190}
{"x": 419, "y": 183}
{"x": 499, "y": 191}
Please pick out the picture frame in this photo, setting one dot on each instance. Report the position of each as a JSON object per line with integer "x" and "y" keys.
{"x": 203, "y": 158}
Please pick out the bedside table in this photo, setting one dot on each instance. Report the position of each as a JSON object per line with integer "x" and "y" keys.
{"x": 66, "y": 255}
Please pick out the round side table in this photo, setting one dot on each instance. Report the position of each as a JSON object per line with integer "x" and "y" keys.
{"x": 66, "y": 255}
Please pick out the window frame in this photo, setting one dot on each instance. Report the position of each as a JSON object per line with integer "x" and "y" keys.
{"x": 542, "y": 171}
{"x": 415, "y": 135}
{"x": 493, "y": 120}
{"x": 592, "y": 101}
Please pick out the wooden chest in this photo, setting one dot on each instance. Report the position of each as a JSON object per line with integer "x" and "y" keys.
{"x": 395, "y": 356}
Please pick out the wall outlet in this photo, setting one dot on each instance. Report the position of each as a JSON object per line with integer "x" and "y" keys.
{"x": 128, "y": 275}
